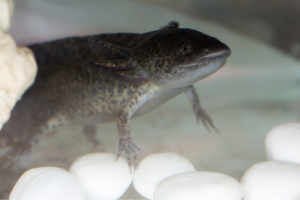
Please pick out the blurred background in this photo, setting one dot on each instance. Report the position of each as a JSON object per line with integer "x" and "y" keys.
{"x": 257, "y": 89}
{"x": 276, "y": 22}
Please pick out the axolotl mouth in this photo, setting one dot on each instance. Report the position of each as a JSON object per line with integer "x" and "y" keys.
{"x": 204, "y": 67}
{"x": 211, "y": 63}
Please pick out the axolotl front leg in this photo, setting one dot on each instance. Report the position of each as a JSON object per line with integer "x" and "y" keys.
{"x": 126, "y": 143}
{"x": 191, "y": 94}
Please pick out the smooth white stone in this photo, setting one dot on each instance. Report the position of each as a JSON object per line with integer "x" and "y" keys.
{"x": 155, "y": 168}
{"x": 283, "y": 143}
{"x": 17, "y": 72}
{"x": 199, "y": 185}
{"x": 274, "y": 180}
{"x": 46, "y": 183}
{"x": 100, "y": 176}
{"x": 6, "y": 10}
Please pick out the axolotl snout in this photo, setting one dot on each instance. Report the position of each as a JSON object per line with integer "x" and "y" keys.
{"x": 111, "y": 77}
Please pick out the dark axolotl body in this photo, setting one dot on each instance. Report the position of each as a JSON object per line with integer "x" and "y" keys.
{"x": 110, "y": 77}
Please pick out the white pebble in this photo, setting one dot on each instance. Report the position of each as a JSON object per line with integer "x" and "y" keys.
{"x": 274, "y": 180}
{"x": 199, "y": 185}
{"x": 101, "y": 177}
{"x": 155, "y": 168}
{"x": 46, "y": 183}
{"x": 283, "y": 143}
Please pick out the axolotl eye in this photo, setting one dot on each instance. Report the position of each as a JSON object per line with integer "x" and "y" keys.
{"x": 186, "y": 48}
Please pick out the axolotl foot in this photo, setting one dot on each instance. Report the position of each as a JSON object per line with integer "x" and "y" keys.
{"x": 127, "y": 145}
{"x": 201, "y": 115}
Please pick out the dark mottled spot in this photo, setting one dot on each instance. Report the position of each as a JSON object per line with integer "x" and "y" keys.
{"x": 113, "y": 102}
{"x": 168, "y": 71}
{"x": 90, "y": 114}
{"x": 122, "y": 101}
{"x": 130, "y": 92}
{"x": 123, "y": 117}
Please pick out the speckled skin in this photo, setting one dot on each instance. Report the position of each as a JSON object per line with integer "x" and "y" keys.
{"x": 110, "y": 77}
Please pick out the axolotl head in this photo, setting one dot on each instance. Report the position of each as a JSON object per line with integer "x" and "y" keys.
{"x": 174, "y": 57}
{"x": 169, "y": 57}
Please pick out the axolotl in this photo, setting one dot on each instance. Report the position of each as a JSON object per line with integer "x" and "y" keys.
{"x": 111, "y": 77}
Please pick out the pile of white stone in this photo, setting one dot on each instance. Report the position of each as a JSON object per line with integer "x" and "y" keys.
{"x": 170, "y": 176}
{"x": 17, "y": 65}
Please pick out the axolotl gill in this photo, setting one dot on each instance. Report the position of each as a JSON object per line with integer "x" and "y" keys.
{"x": 110, "y": 77}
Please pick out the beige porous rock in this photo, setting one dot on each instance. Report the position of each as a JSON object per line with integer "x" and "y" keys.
{"x": 6, "y": 10}
{"x": 17, "y": 72}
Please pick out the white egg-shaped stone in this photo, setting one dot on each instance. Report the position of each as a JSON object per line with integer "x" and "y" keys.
{"x": 46, "y": 183}
{"x": 101, "y": 176}
{"x": 283, "y": 143}
{"x": 155, "y": 168}
{"x": 199, "y": 186}
{"x": 274, "y": 180}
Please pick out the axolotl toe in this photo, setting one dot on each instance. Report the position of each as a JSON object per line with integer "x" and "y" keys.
{"x": 111, "y": 77}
